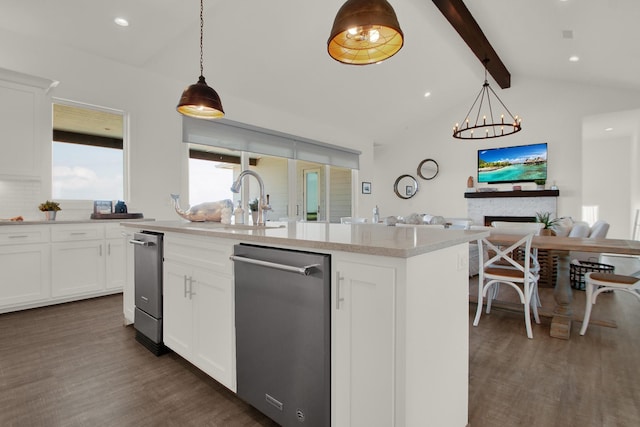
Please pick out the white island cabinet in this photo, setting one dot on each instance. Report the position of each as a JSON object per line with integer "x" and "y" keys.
{"x": 198, "y": 304}
{"x": 399, "y": 313}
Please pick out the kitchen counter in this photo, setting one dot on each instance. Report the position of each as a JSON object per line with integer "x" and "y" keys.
{"x": 399, "y": 312}
{"x": 71, "y": 221}
{"x": 370, "y": 239}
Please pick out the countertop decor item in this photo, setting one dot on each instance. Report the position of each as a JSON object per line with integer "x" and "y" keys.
{"x": 486, "y": 124}
{"x": 50, "y": 208}
{"x": 365, "y": 32}
{"x": 208, "y": 211}
{"x": 200, "y": 100}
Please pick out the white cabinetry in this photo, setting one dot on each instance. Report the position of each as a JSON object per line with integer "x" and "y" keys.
{"x": 24, "y": 265}
{"x": 128, "y": 292}
{"x": 115, "y": 258}
{"x": 198, "y": 298}
{"x": 400, "y": 337}
{"x": 364, "y": 333}
{"x": 23, "y": 124}
{"x": 77, "y": 256}
{"x": 48, "y": 264}
{"x": 87, "y": 259}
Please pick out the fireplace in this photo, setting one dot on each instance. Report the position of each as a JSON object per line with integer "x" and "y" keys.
{"x": 516, "y": 204}
{"x": 488, "y": 219}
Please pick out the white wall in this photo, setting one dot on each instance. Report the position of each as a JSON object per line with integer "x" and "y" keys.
{"x": 610, "y": 172}
{"x": 155, "y": 127}
{"x": 552, "y": 112}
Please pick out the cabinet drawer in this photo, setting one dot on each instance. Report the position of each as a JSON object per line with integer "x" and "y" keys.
{"x": 19, "y": 234}
{"x": 76, "y": 233}
{"x": 114, "y": 232}
{"x": 200, "y": 251}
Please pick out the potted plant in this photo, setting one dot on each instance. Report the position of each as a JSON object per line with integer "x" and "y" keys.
{"x": 545, "y": 218}
{"x": 50, "y": 208}
{"x": 540, "y": 183}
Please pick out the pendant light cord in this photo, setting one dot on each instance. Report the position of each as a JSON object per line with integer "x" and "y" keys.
{"x": 201, "y": 32}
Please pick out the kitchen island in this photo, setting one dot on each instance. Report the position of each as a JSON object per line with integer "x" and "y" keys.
{"x": 399, "y": 312}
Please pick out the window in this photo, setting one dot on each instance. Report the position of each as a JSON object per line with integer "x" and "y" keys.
{"x": 306, "y": 179}
{"x": 209, "y": 181}
{"x": 87, "y": 154}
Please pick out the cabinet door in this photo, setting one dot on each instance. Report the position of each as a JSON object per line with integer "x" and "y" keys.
{"x": 77, "y": 267}
{"x": 115, "y": 267}
{"x": 214, "y": 346}
{"x": 128, "y": 292}
{"x": 365, "y": 342}
{"x": 177, "y": 323}
{"x": 19, "y": 129}
{"x": 24, "y": 273}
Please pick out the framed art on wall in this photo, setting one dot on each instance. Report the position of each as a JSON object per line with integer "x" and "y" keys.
{"x": 366, "y": 187}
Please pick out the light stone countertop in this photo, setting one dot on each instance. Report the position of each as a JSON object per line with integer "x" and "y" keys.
{"x": 372, "y": 239}
{"x": 71, "y": 221}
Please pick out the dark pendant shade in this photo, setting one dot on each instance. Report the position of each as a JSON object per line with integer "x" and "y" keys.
{"x": 200, "y": 101}
{"x": 365, "y": 32}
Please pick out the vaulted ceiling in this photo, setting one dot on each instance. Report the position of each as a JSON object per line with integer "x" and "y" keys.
{"x": 273, "y": 52}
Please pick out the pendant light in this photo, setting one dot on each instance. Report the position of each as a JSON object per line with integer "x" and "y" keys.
{"x": 365, "y": 32}
{"x": 485, "y": 123}
{"x": 200, "y": 100}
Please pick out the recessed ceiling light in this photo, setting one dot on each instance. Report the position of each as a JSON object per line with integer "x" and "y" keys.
{"x": 608, "y": 129}
{"x": 574, "y": 58}
{"x": 121, "y": 21}
{"x": 427, "y": 94}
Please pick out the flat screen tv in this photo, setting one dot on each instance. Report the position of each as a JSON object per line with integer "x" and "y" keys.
{"x": 523, "y": 163}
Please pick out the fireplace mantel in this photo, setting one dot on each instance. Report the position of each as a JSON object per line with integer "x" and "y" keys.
{"x": 519, "y": 193}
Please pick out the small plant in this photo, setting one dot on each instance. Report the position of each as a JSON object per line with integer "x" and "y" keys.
{"x": 545, "y": 218}
{"x": 541, "y": 182}
{"x": 253, "y": 205}
{"x": 49, "y": 206}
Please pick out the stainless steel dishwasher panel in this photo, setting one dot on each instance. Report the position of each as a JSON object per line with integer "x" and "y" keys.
{"x": 283, "y": 327}
{"x": 148, "y": 273}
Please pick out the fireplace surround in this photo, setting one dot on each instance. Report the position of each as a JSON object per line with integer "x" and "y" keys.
{"x": 513, "y": 204}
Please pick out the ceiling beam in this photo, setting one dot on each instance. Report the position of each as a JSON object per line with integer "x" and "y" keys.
{"x": 461, "y": 19}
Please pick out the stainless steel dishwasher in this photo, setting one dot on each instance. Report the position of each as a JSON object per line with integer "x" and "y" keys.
{"x": 283, "y": 331}
{"x": 148, "y": 255}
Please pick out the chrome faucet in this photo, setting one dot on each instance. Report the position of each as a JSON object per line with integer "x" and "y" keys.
{"x": 262, "y": 205}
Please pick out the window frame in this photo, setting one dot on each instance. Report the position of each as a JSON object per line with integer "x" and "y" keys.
{"x": 97, "y": 141}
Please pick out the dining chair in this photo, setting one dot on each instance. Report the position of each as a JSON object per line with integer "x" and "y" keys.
{"x": 502, "y": 267}
{"x": 596, "y": 283}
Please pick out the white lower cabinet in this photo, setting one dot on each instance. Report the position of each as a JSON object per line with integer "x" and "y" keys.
{"x": 115, "y": 259}
{"x": 49, "y": 264}
{"x": 24, "y": 266}
{"x": 364, "y": 337}
{"x": 198, "y": 298}
{"x": 77, "y": 267}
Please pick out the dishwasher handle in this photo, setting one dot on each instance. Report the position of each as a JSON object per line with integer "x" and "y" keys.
{"x": 304, "y": 270}
{"x": 141, "y": 243}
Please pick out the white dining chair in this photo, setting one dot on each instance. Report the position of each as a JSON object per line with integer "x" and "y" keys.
{"x": 501, "y": 267}
{"x": 596, "y": 283}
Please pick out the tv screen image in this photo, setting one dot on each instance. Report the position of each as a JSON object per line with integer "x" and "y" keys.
{"x": 523, "y": 163}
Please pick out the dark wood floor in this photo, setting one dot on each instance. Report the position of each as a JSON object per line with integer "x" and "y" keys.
{"x": 76, "y": 365}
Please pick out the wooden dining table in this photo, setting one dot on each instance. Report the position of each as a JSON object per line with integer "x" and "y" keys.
{"x": 563, "y": 313}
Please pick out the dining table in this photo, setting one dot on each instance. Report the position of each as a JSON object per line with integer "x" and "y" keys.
{"x": 562, "y": 246}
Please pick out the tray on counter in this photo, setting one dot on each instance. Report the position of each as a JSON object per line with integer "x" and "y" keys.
{"x": 116, "y": 216}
